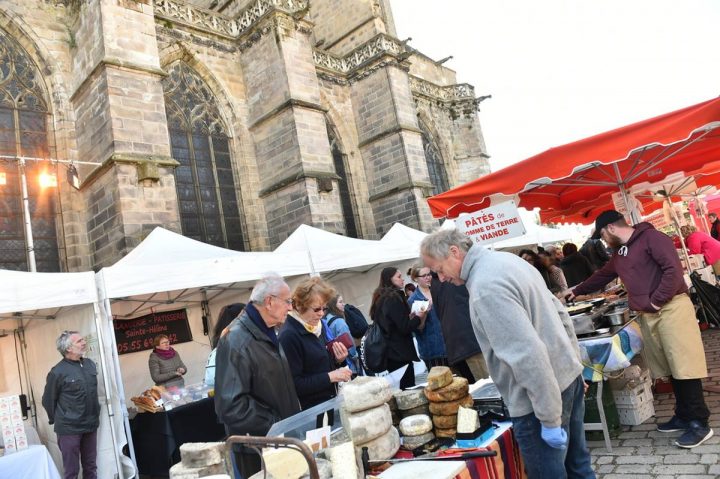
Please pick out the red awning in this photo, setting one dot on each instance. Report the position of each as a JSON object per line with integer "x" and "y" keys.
{"x": 568, "y": 177}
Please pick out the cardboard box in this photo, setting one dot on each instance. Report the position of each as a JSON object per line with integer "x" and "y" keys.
{"x": 21, "y": 442}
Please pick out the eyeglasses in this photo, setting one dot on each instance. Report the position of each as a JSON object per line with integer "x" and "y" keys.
{"x": 317, "y": 310}
{"x": 288, "y": 301}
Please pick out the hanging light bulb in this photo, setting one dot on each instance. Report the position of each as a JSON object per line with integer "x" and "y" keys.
{"x": 3, "y": 178}
{"x": 72, "y": 177}
{"x": 48, "y": 180}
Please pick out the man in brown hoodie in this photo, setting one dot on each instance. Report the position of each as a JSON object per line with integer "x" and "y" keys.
{"x": 648, "y": 264}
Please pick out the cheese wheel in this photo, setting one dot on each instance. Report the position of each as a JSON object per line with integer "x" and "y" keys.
{"x": 450, "y": 407}
{"x": 324, "y": 470}
{"x": 199, "y": 454}
{"x": 445, "y": 432}
{"x": 457, "y": 389}
{"x": 445, "y": 422}
{"x": 343, "y": 461}
{"x": 416, "y": 425}
{"x": 382, "y": 448}
{"x": 413, "y": 442}
{"x": 439, "y": 377}
{"x": 424, "y": 409}
{"x": 364, "y": 426}
{"x": 365, "y": 392}
{"x": 181, "y": 471}
{"x": 410, "y": 399}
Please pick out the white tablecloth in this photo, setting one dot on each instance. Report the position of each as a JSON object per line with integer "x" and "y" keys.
{"x": 32, "y": 463}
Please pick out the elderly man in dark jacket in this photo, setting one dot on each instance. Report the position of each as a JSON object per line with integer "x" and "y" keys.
{"x": 71, "y": 402}
{"x": 253, "y": 385}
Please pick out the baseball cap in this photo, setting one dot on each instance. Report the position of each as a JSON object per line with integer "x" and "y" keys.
{"x": 605, "y": 218}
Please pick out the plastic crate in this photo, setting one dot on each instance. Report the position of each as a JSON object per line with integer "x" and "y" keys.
{"x": 634, "y": 416}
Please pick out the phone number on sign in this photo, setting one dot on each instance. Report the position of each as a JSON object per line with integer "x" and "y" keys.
{"x": 140, "y": 344}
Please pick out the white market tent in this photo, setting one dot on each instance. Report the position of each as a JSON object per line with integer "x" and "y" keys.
{"x": 37, "y": 308}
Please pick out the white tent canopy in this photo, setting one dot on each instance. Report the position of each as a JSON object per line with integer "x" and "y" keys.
{"x": 37, "y": 309}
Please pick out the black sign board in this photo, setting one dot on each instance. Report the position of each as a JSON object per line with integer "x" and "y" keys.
{"x": 133, "y": 335}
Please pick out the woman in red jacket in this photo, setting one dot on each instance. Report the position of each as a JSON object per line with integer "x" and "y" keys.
{"x": 698, "y": 242}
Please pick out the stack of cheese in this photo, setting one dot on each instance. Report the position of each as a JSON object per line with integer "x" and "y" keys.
{"x": 367, "y": 420}
{"x": 411, "y": 402}
{"x": 446, "y": 394}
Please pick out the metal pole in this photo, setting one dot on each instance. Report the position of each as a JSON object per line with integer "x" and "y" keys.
{"x": 26, "y": 216}
{"x": 634, "y": 215}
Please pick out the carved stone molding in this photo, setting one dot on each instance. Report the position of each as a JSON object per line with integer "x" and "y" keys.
{"x": 457, "y": 99}
{"x": 207, "y": 20}
{"x": 372, "y": 49}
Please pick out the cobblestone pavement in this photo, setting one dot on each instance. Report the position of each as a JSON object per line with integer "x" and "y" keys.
{"x": 641, "y": 452}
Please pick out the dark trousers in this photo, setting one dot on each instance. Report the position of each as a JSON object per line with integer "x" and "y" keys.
{"x": 461, "y": 369}
{"x": 77, "y": 448}
{"x": 690, "y": 401}
{"x": 408, "y": 379}
{"x": 246, "y": 462}
{"x": 430, "y": 363}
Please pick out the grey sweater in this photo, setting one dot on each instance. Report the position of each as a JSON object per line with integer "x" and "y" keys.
{"x": 163, "y": 371}
{"x": 524, "y": 332}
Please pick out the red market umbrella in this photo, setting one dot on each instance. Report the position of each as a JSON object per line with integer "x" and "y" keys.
{"x": 569, "y": 177}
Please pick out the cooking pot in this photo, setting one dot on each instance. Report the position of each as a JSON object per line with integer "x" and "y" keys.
{"x": 618, "y": 316}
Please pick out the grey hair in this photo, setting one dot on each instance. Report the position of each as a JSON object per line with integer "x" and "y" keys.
{"x": 63, "y": 343}
{"x": 268, "y": 285}
{"x": 551, "y": 249}
{"x": 438, "y": 243}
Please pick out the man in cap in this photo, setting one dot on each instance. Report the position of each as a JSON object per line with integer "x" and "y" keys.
{"x": 529, "y": 345}
{"x": 253, "y": 385}
{"x": 648, "y": 265}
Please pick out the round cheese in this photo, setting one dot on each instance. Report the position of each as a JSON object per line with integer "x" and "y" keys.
{"x": 414, "y": 411}
{"x": 450, "y": 407}
{"x": 413, "y": 442}
{"x": 410, "y": 399}
{"x": 445, "y": 432}
{"x": 439, "y": 377}
{"x": 416, "y": 425}
{"x": 445, "y": 422}
{"x": 365, "y": 392}
{"x": 199, "y": 454}
{"x": 382, "y": 448}
{"x": 457, "y": 389}
{"x": 364, "y": 426}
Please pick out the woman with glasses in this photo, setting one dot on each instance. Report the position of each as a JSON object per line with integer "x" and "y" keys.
{"x": 316, "y": 368}
{"x": 166, "y": 367}
{"x": 390, "y": 310}
{"x": 430, "y": 341}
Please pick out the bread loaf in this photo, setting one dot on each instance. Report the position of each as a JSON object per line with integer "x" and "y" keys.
{"x": 457, "y": 389}
{"x": 450, "y": 407}
{"x": 365, "y": 392}
{"x": 439, "y": 377}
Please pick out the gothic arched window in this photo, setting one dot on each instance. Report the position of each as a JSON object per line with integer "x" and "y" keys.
{"x": 205, "y": 184}
{"x": 343, "y": 186}
{"x": 435, "y": 164}
{"x": 23, "y": 133}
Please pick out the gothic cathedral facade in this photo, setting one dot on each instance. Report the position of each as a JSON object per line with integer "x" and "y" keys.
{"x": 229, "y": 121}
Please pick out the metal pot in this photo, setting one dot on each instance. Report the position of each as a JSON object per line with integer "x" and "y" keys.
{"x": 618, "y": 317}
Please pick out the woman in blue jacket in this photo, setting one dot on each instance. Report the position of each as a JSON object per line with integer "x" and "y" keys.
{"x": 431, "y": 344}
{"x": 335, "y": 321}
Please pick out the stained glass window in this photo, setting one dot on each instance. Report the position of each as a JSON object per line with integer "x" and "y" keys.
{"x": 343, "y": 186}
{"x": 23, "y": 133}
{"x": 205, "y": 184}
{"x": 435, "y": 164}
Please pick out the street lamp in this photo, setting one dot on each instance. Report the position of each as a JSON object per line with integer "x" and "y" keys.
{"x": 47, "y": 180}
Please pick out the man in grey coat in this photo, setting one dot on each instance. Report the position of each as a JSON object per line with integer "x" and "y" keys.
{"x": 71, "y": 402}
{"x": 529, "y": 344}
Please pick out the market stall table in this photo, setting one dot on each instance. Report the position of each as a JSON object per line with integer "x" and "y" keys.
{"x": 608, "y": 353}
{"x": 157, "y": 437}
{"x": 31, "y": 463}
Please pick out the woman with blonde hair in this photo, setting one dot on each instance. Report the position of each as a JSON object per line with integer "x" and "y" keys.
{"x": 698, "y": 242}
{"x": 315, "y": 369}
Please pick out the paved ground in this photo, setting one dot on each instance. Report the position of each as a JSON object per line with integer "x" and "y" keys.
{"x": 641, "y": 452}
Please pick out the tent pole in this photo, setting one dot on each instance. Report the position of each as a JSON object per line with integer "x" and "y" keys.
{"x": 31, "y": 393}
{"x": 634, "y": 215}
{"x": 106, "y": 384}
{"x": 102, "y": 294}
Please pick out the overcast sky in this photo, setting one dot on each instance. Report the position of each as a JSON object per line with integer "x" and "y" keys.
{"x": 561, "y": 70}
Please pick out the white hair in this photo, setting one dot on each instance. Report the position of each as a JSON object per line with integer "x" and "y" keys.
{"x": 437, "y": 244}
{"x": 269, "y": 285}
{"x": 64, "y": 342}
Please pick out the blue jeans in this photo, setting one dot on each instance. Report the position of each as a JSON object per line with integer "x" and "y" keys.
{"x": 544, "y": 462}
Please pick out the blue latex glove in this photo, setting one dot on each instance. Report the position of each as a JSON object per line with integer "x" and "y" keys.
{"x": 555, "y": 437}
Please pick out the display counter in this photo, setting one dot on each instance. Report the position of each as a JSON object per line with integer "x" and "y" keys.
{"x": 157, "y": 437}
{"x": 35, "y": 462}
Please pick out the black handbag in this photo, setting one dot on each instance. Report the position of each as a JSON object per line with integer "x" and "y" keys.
{"x": 373, "y": 349}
